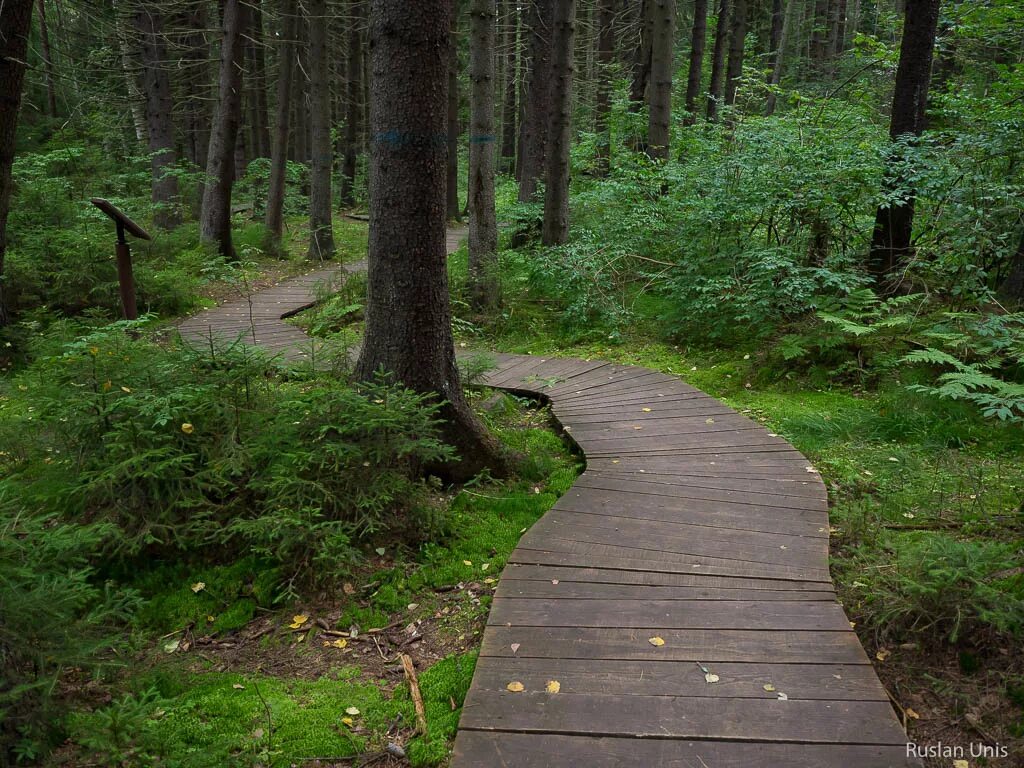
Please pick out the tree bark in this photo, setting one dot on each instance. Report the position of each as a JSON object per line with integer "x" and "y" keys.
{"x": 47, "y": 51}
{"x": 321, "y": 231}
{"x": 282, "y": 126}
{"x": 663, "y": 36}
{"x": 136, "y": 103}
{"x": 353, "y": 102}
{"x": 737, "y": 42}
{"x": 605, "y": 60}
{"x": 717, "y": 87}
{"x": 779, "y": 40}
{"x": 641, "y": 59}
{"x": 215, "y": 219}
{"x": 258, "y": 67}
{"x": 698, "y": 36}
{"x": 555, "y": 230}
{"x": 1012, "y": 288}
{"x": 149, "y": 22}
{"x": 894, "y": 223}
{"x": 408, "y": 315}
{"x": 483, "y": 224}
{"x": 15, "y": 24}
{"x": 452, "y": 148}
{"x": 510, "y": 50}
{"x": 300, "y": 93}
{"x": 819, "y": 32}
{"x": 195, "y": 110}
{"x": 534, "y": 146}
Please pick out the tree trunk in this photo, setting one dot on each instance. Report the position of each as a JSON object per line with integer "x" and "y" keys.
{"x": 195, "y": 110}
{"x": 641, "y": 59}
{"x": 282, "y": 126}
{"x": 838, "y": 42}
{"x": 47, "y": 51}
{"x": 737, "y": 41}
{"x": 663, "y": 36}
{"x": 16, "y": 22}
{"x": 537, "y": 99}
{"x": 301, "y": 103}
{"x": 408, "y": 315}
{"x": 353, "y": 103}
{"x": 819, "y": 32}
{"x": 258, "y": 88}
{"x": 1012, "y": 288}
{"x": 452, "y": 147}
{"x": 136, "y": 103}
{"x": 215, "y": 219}
{"x": 780, "y": 34}
{"x": 605, "y": 60}
{"x": 894, "y": 223}
{"x": 698, "y": 37}
{"x": 717, "y": 87}
{"x": 483, "y": 224}
{"x": 159, "y": 121}
{"x": 321, "y": 231}
{"x": 510, "y": 49}
{"x": 555, "y": 230}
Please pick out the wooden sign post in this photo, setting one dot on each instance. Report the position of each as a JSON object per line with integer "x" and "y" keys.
{"x": 123, "y": 253}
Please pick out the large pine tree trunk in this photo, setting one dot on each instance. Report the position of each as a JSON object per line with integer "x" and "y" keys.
{"x": 663, "y": 36}
{"x": 321, "y": 231}
{"x": 136, "y": 102}
{"x": 196, "y": 83}
{"x": 819, "y": 32}
{"x": 15, "y": 23}
{"x": 1012, "y": 288}
{"x": 408, "y": 316}
{"x": 605, "y": 60}
{"x": 452, "y": 209}
{"x": 258, "y": 86}
{"x": 534, "y": 139}
{"x": 47, "y": 51}
{"x": 717, "y": 87}
{"x": 555, "y": 230}
{"x": 510, "y": 50}
{"x": 159, "y": 121}
{"x": 215, "y": 219}
{"x": 483, "y": 223}
{"x": 353, "y": 102}
{"x": 698, "y": 37}
{"x": 282, "y": 125}
{"x": 781, "y": 10}
{"x": 894, "y": 223}
{"x": 641, "y": 58}
{"x": 737, "y": 42}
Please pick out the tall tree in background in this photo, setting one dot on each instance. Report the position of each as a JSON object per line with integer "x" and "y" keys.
{"x": 15, "y": 23}
{"x": 663, "y": 35}
{"x": 452, "y": 157}
{"x": 483, "y": 223}
{"x": 321, "y": 231}
{"x": 408, "y": 315}
{"x": 555, "y": 229}
{"x": 136, "y": 103}
{"x": 215, "y": 219}
{"x": 642, "y": 55}
{"x": 698, "y": 36}
{"x": 353, "y": 101}
{"x": 894, "y": 221}
{"x": 777, "y": 48}
{"x": 47, "y": 51}
{"x": 737, "y": 42}
{"x": 605, "y": 60}
{"x": 537, "y": 97}
{"x": 196, "y": 51}
{"x": 510, "y": 51}
{"x": 282, "y": 126}
{"x": 149, "y": 22}
{"x": 259, "y": 123}
{"x": 717, "y": 88}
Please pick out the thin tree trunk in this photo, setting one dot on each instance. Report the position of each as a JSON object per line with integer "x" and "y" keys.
{"x": 717, "y": 87}
{"x": 784, "y": 9}
{"x": 215, "y": 219}
{"x": 452, "y": 147}
{"x": 537, "y": 99}
{"x": 195, "y": 110}
{"x": 819, "y": 32}
{"x": 510, "y": 50}
{"x": 1012, "y": 288}
{"x": 483, "y": 224}
{"x": 282, "y": 125}
{"x": 641, "y": 59}
{"x": 894, "y": 223}
{"x": 737, "y": 42}
{"x": 15, "y": 25}
{"x": 321, "y": 231}
{"x": 47, "y": 51}
{"x": 353, "y": 103}
{"x": 300, "y": 93}
{"x": 136, "y": 103}
{"x": 605, "y": 60}
{"x": 838, "y": 43}
{"x": 159, "y": 121}
{"x": 698, "y": 37}
{"x": 663, "y": 35}
{"x": 555, "y": 230}
{"x": 258, "y": 61}
{"x": 408, "y": 315}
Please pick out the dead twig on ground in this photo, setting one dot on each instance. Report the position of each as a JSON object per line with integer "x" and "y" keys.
{"x": 414, "y": 690}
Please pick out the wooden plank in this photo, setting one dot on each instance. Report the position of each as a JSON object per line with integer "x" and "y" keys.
{"x": 704, "y": 645}
{"x": 637, "y": 487}
{"x": 593, "y": 575}
{"x": 669, "y": 614}
{"x": 483, "y": 749}
{"x": 575, "y": 590}
{"x": 699, "y": 409}
{"x": 796, "y": 487}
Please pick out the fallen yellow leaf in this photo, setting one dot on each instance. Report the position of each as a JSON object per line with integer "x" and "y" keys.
{"x": 352, "y": 710}
{"x": 467, "y": 562}
{"x": 961, "y": 764}
{"x": 187, "y": 428}
{"x": 553, "y": 686}
{"x": 515, "y": 687}
{"x": 657, "y": 642}
{"x": 711, "y": 677}
{"x": 912, "y": 714}
{"x": 298, "y": 620}
{"x": 348, "y": 721}
{"x": 883, "y": 654}
{"x": 768, "y": 687}
{"x": 238, "y": 687}
{"x": 646, "y": 410}
{"x": 211, "y": 619}
{"x": 198, "y": 587}
{"x": 341, "y": 642}
{"x": 348, "y": 589}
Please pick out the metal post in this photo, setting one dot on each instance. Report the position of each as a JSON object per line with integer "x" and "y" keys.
{"x": 125, "y": 278}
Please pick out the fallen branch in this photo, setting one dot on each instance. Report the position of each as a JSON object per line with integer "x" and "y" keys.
{"x": 414, "y": 689}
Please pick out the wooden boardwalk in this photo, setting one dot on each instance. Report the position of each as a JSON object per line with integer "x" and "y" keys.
{"x": 677, "y": 596}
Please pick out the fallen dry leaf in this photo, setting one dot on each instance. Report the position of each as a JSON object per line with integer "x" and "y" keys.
{"x": 514, "y": 647}
{"x": 467, "y": 562}
{"x": 348, "y": 721}
{"x": 341, "y": 642}
{"x": 553, "y": 686}
{"x": 515, "y": 687}
{"x": 646, "y": 410}
{"x": 912, "y": 714}
{"x": 657, "y": 642}
{"x": 238, "y": 687}
{"x": 710, "y": 677}
{"x": 768, "y": 687}
{"x": 883, "y": 654}
{"x": 352, "y": 710}
{"x": 782, "y": 696}
{"x": 198, "y": 587}
{"x": 961, "y": 764}
{"x": 348, "y": 589}
{"x": 298, "y": 620}
{"x": 554, "y": 581}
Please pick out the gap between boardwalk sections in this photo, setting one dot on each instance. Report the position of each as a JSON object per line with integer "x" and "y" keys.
{"x": 677, "y": 596}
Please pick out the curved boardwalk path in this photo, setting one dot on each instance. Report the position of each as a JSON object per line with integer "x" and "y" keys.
{"x": 679, "y": 592}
